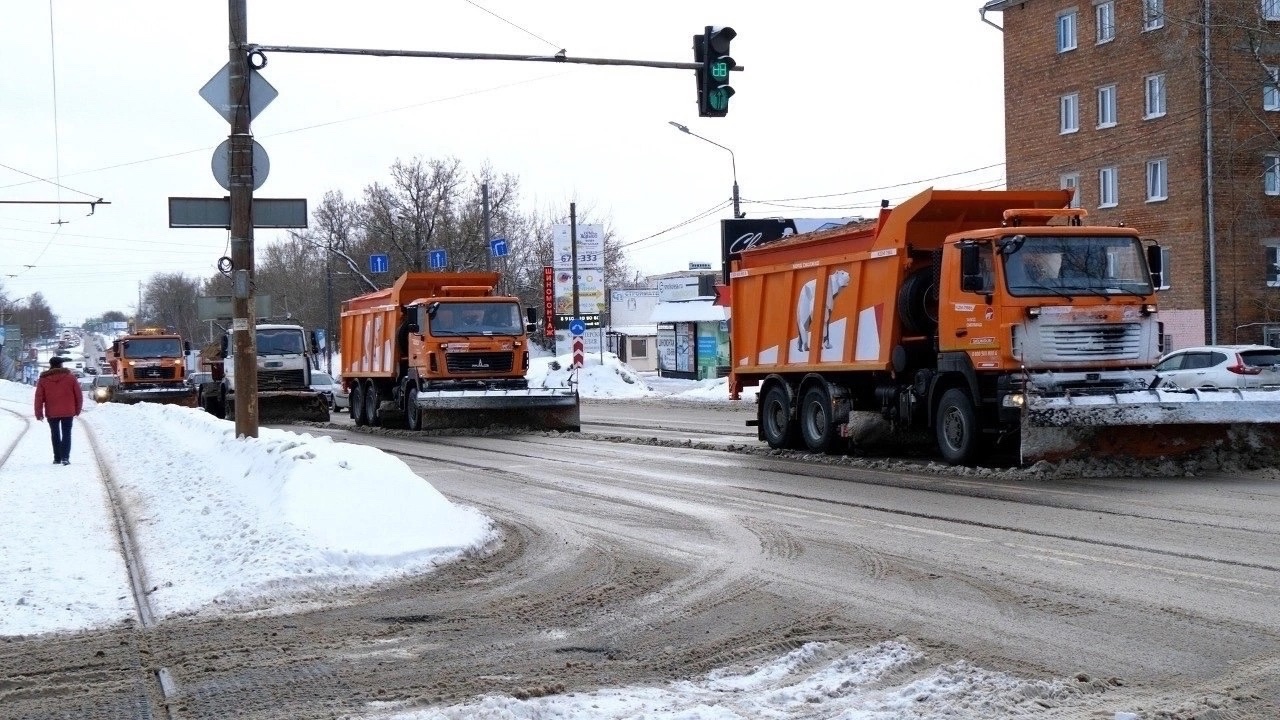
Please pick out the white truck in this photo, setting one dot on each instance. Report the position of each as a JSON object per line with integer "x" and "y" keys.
{"x": 286, "y": 358}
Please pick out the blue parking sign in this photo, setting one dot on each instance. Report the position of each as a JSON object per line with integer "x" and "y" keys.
{"x": 379, "y": 263}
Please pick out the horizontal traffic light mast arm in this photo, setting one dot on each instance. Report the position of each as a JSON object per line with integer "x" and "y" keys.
{"x": 477, "y": 56}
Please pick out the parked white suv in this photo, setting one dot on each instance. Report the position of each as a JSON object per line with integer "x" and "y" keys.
{"x": 1214, "y": 367}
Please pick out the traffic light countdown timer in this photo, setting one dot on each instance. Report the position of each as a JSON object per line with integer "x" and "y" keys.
{"x": 711, "y": 54}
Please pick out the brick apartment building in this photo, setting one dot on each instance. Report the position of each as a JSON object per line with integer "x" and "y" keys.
{"x": 1164, "y": 115}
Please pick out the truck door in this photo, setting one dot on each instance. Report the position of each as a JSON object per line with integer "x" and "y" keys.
{"x": 974, "y": 326}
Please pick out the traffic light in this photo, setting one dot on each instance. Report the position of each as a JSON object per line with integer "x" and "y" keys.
{"x": 711, "y": 53}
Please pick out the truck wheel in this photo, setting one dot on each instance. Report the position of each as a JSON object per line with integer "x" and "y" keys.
{"x": 816, "y": 426}
{"x": 357, "y": 404}
{"x": 412, "y": 413}
{"x": 776, "y": 425}
{"x": 956, "y": 426}
{"x": 918, "y": 303}
{"x": 371, "y": 401}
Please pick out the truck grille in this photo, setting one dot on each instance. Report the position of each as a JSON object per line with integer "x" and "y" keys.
{"x": 1086, "y": 342}
{"x": 280, "y": 380}
{"x": 481, "y": 362}
{"x": 158, "y": 372}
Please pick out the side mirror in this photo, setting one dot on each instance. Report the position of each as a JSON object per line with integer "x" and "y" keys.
{"x": 186, "y": 347}
{"x": 314, "y": 337}
{"x": 531, "y": 320}
{"x": 1155, "y": 263}
{"x": 223, "y": 347}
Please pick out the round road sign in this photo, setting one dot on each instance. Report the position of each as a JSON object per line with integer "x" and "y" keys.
{"x": 577, "y": 327}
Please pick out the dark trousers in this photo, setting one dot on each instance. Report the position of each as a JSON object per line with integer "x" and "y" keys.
{"x": 60, "y": 432}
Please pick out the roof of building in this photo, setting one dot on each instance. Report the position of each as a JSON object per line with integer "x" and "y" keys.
{"x": 689, "y": 311}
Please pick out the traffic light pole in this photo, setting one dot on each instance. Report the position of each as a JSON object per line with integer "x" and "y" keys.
{"x": 737, "y": 212}
{"x": 557, "y": 58}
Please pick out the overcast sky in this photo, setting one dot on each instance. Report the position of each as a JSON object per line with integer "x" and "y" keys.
{"x": 836, "y": 98}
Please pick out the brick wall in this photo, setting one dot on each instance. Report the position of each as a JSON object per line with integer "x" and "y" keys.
{"x": 1037, "y": 75}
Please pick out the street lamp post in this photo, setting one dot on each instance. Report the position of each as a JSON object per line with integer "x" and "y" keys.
{"x": 737, "y": 213}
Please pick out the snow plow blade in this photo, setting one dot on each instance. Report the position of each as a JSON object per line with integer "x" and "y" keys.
{"x": 280, "y": 407}
{"x": 532, "y": 409}
{"x": 168, "y": 396}
{"x": 1150, "y": 424}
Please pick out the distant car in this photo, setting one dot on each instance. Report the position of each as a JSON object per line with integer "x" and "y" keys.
{"x": 1213, "y": 367}
{"x": 334, "y": 395}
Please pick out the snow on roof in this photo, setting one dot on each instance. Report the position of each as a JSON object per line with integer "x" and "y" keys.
{"x": 689, "y": 311}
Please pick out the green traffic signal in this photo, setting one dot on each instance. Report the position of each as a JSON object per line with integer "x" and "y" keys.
{"x": 711, "y": 52}
{"x": 720, "y": 70}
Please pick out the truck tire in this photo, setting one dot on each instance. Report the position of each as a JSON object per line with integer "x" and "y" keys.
{"x": 918, "y": 303}
{"x": 357, "y": 404}
{"x": 956, "y": 427}
{"x": 412, "y": 413}
{"x": 371, "y": 401}
{"x": 816, "y": 421}
{"x": 777, "y": 426}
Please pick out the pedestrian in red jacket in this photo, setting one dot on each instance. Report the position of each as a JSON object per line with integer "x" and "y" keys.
{"x": 58, "y": 398}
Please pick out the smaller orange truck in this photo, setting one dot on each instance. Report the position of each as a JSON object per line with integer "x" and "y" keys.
{"x": 444, "y": 350}
{"x": 149, "y": 365}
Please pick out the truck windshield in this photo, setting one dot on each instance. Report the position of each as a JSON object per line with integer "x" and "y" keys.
{"x": 280, "y": 342}
{"x": 464, "y": 318}
{"x": 152, "y": 348}
{"x": 1075, "y": 265}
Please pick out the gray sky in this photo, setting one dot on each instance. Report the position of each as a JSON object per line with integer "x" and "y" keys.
{"x": 837, "y": 97}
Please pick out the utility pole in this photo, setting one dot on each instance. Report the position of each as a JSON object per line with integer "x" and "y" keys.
{"x": 328, "y": 306}
{"x": 484, "y": 212}
{"x": 241, "y": 177}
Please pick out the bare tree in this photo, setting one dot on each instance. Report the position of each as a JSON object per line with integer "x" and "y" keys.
{"x": 414, "y": 213}
{"x": 169, "y": 301}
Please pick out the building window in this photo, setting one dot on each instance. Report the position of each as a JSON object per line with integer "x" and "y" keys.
{"x": 1157, "y": 180}
{"x": 1106, "y": 106}
{"x": 638, "y": 348}
{"x": 1071, "y": 181}
{"x": 1152, "y": 14}
{"x": 1271, "y": 175}
{"x": 1271, "y": 9}
{"x": 1271, "y": 89}
{"x": 1155, "y": 97}
{"x": 1108, "y": 187}
{"x": 1070, "y": 113}
{"x": 1106, "y": 13}
{"x": 1273, "y": 264}
{"x": 1166, "y": 269}
{"x": 1067, "y": 31}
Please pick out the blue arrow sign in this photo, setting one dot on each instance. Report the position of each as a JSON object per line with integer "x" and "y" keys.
{"x": 577, "y": 327}
{"x": 379, "y": 263}
{"x": 498, "y": 246}
{"x": 437, "y": 259}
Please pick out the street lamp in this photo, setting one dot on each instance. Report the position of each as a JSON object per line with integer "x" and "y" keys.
{"x": 685, "y": 129}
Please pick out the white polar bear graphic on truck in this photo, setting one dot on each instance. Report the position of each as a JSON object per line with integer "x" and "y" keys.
{"x": 836, "y": 282}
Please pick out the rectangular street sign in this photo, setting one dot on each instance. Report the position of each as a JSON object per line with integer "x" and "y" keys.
{"x": 191, "y": 212}
{"x": 437, "y": 259}
{"x": 379, "y": 263}
{"x": 218, "y": 307}
{"x": 498, "y": 246}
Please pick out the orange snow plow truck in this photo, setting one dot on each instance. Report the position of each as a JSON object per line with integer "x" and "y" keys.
{"x": 443, "y": 350}
{"x": 994, "y": 320}
{"x": 149, "y": 365}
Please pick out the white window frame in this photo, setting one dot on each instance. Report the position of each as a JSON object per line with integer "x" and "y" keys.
{"x": 1271, "y": 9}
{"x": 1157, "y": 180}
{"x": 1271, "y": 174}
{"x": 1272, "y": 259}
{"x": 1108, "y": 187}
{"x": 1271, "y": 89}
{"x": 1104, "y": 11}
{"x": 1107, "y": 110}
{"x": 1155, "y": 97}
{"x": 1166, "y": 267}
{"x": 1152, "y": 14}
{"x": 1071, "y": 181}
{"x": 1069, "y": 114}
{"x": 1067, "y": 28}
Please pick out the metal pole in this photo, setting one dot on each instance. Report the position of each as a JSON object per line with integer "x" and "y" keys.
{"x": 241, "y": 171}
{"x": 328, "y": 308}
{"x": 484, "y": 212}
{"x": 573, "y": 249}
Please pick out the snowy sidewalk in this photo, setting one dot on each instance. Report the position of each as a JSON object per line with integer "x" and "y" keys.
{"x": 59, "y": 552}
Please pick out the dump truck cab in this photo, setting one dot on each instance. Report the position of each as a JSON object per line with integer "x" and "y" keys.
{"x": 468, "y": 341}
{"x": 150, "y": 366}
{"x": 286, "y": 354}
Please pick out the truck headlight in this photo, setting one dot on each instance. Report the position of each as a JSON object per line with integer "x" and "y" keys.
{"x": 1014, "y": 400}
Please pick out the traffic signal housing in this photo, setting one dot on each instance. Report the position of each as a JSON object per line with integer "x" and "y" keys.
{"x": 711, "y": 54}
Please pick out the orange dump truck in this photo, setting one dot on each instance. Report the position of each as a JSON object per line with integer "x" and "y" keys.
{"x": 992, "y": 319}
{"x": 444, "y": 350}
{"x": 149, "y": 366}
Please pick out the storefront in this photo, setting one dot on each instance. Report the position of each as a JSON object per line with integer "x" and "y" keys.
{"x": 693, "y": 339}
